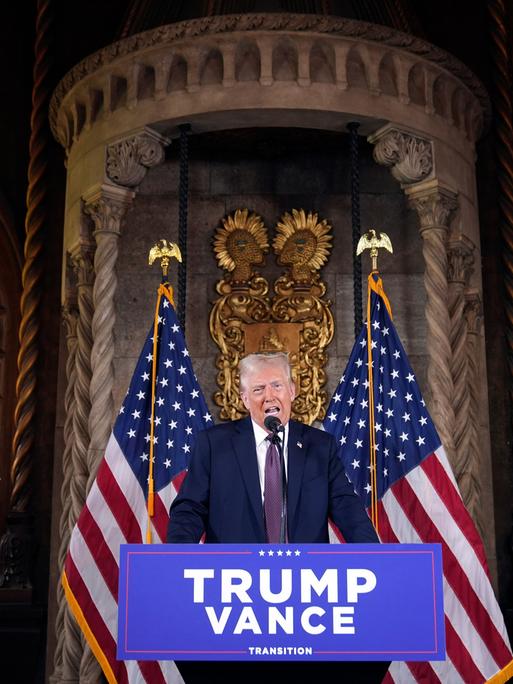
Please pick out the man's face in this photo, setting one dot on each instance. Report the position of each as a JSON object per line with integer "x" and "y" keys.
{"x": 268, "y": 392}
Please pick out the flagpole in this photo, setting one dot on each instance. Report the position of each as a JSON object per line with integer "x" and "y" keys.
{"x": 373, "y": 243}
{"x": 164, "y": 251}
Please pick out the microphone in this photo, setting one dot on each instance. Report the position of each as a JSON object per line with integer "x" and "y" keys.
{"x": 273, "y": 424}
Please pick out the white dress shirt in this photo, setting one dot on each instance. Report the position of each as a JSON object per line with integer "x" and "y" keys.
{"x": 262, "y": 444}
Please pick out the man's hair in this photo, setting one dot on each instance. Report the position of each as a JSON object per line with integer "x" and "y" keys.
{"x": 250, "y": 362}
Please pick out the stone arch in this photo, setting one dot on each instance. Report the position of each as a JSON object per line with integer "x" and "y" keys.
{"x": 118, "y": 95}
{"x": 459, "y": 102}
{"x": 212, "y": 68}
{"x": 356, "y": 73}
{"x": 145, "y": 82}
{"x": 417, "y": 85}
{"x": 285, "y": 61}
{"x": 440, "y": 103}
{"x": 247, "y": 61}
{"x": 96, "y": 101}
{"x": 322, "y": 63}
{"x": 80, "y": 117}
{"x": 387, "y": 76}
{"x": 177, "y": 74}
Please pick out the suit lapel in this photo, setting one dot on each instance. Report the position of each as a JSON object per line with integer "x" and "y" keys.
{"x": 296, "y": 455}
{"x": 245, "y": 450}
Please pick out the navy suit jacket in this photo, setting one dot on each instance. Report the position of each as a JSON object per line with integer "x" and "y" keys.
{"x": 221, "y": 494}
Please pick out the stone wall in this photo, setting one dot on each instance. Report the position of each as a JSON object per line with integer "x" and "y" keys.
{"x": 270, "y": 172}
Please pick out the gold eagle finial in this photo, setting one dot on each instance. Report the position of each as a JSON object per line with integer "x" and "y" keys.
{"x": 373, "y": 241}
{"x": 164, "y": 251}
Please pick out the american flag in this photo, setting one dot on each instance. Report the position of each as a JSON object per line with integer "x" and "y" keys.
{"x": 418, "y": 499}
{"x": 115, "y": 511}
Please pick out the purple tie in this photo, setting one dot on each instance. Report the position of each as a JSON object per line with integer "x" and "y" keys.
{"x": 272, "y": 494}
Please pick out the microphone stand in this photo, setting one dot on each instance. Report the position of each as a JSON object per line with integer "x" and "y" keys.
{"x": 275, "y": 439}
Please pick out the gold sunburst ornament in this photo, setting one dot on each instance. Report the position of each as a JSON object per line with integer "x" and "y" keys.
{"x": 303, "y": 243}
{"x": 241, "y": 242}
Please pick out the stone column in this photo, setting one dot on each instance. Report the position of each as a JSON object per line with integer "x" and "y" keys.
{"x": 74, "y": 486}
{"x": 410, "y": 158}
{"x": 460, "y": 262}
{"x": 435, "y": 205}
{"x": 70, "y": 319}
{"x": 106, "y": 205}
{"x": 470, "y": 480}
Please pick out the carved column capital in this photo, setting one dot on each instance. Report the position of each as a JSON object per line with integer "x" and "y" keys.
{"x": 409, "y": 156}
{"x": 81, "y": 257}
{"x": 129, "y": 159}
{"x": 473, "y": 312}
{"x": 460, "y": 260}
{"x": 434, "y": 203}
{"x": 106, "y": 205}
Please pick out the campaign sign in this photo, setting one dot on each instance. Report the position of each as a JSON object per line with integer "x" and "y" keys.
{"x": 281, "y": 602}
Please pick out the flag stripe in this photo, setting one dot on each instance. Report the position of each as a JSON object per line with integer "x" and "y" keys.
{"x": 95, "y": 621}
{"x": 461, "y": 657}
{"x": 161, "y": 518}
{"x": 422, "y": 672}
{"x": 463, "y": 575}
{"x": 453, "y": 572}
{"x": 447, "y": 492}
{"x": 116, "y": 501}
{"x": 105, "y": 561}
{"x": 396, "y": 516}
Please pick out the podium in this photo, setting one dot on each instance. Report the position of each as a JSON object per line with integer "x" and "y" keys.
{"x": 281, "y": 603}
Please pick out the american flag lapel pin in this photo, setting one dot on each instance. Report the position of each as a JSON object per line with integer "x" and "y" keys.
{"x": 299, "y": 444}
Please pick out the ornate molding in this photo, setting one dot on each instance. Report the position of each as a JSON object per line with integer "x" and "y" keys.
{"x": 434, "y": 204}
{"x": 129, "y": 159}
{"x": 106, "y": 205}
{"x": 460, "y": 260}
{"x": 410, "y": 156}
{"x": 337, "y": 26}
{"x": 108, "y": 80}
{"x": 473, "y": 312}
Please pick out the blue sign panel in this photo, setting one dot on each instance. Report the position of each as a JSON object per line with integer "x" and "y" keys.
{"x": 281, "y": 602}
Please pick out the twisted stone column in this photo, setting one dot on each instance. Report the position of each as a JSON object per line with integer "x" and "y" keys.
{"x": 470, "y": 480}
{"x": 75, "y": 488}
{"x": 70, "y": 318}
{"x": 460, "y": 262}
{"x": 435, "y": 205}
{"x": 106, "y": 205}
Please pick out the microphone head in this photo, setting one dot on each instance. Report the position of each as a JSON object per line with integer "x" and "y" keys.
{"x": 272, "y": 423}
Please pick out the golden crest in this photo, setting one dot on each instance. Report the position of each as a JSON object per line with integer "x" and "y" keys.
{"x": 303, "y": 243}
{"x": 296, "y": 318}
{"x": 240, "y": 243}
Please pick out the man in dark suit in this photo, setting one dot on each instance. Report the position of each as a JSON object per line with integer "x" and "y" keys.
{"x": 224, "y": 492}
{"x": 224, "y": 497}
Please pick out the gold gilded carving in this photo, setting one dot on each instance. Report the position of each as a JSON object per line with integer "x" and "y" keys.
{"x": 302, "y": 243}
{"x": 271, "y": 337}
{"x": 296, "y": 318}
{"x": 240, "y": 243}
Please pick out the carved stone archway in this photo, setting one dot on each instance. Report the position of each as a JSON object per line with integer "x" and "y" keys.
{"x": 115, "y": 112}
